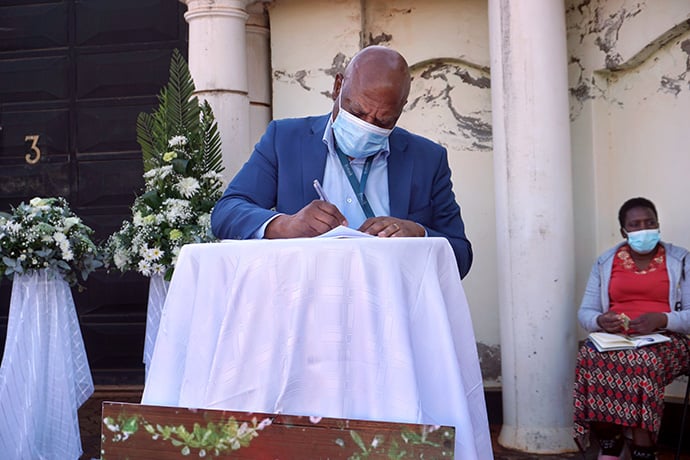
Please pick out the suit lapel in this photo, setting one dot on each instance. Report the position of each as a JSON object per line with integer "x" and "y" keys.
{"x": 399, "y": 175}
{"x": 314, "y": 154}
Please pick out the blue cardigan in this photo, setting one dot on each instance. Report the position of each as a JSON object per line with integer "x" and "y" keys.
{"x": 596, "y": 298}
{"x": 278, "y": 177}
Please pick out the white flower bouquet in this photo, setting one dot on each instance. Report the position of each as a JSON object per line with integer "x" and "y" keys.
{"x": 46, "y": 234}
{"x": 182, "y": 165}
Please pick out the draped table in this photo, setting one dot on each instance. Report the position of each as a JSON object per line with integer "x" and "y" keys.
{"x": 45, "y": 375}
{"x": 357, "y": 328}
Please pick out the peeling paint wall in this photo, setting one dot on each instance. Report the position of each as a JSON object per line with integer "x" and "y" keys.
{"x": 446, "y": 44}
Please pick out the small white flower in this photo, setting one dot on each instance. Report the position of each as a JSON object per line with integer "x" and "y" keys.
{"x": 67, "y": 254}
{"x": 153, "y": 254}
{"x": 59, "y": 237}
{"x": 187, "y": 187}
{"x": 177, "y": 140}
{"x": 264, "y": 423}
{"x": 144, "y": 268}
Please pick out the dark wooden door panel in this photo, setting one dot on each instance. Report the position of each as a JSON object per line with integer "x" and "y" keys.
{"x": 108, "y": 75}
{"x": 105, "y": 22}
{"x": 31, "y": 79}
{"x": 31, "y": 25}
{"x": 76, "y": 74}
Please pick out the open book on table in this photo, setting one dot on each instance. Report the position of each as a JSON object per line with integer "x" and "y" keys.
{"x": 604, "y": 341}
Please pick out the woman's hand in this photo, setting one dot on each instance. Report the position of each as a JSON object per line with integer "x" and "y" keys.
{"x": 611, "y": 322}
{"x": 648, "y": 323}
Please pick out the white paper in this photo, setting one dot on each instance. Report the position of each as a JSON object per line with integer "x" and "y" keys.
{"x": 345, "y": 232}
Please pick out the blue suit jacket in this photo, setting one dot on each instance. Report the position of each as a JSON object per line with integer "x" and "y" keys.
{"x": 278, "y": 178}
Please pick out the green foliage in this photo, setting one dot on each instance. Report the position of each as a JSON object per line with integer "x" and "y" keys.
{"x": 182, "y": 156}
{"x": 211, "y": 440}
{"x": 46, "y": 234}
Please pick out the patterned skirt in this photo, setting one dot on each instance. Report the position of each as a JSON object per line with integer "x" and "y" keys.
{"x": 626, "y": 387}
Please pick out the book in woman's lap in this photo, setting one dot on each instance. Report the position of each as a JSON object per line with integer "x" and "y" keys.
{"x": 604, "y": 341}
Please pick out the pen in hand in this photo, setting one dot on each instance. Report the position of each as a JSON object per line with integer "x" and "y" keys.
{"x": 319, "y": 191}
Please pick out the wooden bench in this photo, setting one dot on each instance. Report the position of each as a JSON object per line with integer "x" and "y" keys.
{"x": 135, "y": 431}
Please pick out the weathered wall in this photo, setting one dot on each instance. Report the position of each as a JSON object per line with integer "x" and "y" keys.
{"x": 630, "y": 118}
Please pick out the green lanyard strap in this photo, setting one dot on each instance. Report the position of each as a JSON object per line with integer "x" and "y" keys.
{"x": 358, "y": 185}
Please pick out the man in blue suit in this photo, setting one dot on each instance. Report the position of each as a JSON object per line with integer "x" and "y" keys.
{"x": 378, "y": 178}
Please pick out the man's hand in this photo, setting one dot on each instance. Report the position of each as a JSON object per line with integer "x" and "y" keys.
{"x": 391, "y": 227}
{"x": 648, "y": 323}
{"x": 312, "y": 220}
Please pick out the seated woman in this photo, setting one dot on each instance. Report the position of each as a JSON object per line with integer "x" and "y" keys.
{"x": 637, "y": 287}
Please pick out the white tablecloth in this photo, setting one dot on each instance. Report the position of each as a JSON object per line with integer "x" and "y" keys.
{"x": 367, "y": 328}
{"x": 45, "y": 375}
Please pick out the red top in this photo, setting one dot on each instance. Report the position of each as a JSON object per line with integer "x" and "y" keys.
{"x": 633, "y": 291}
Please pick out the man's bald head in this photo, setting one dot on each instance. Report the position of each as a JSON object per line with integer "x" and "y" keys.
{"x": 376, "y": 82}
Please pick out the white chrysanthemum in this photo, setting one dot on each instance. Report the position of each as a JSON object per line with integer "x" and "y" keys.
{"x": 176, "y": 210}
{"x": 144, "y": 267}
{"x": 67, "y": 254}
{"x": 187, "y": 187}
{"x": 158, "y": 269}
{"x": 13, "y": 228}
{"x": 64, "y": 245}
{"x": 59, "y": 237}
{"x": 177, "y": 140}
{"x": 153, "y": 254}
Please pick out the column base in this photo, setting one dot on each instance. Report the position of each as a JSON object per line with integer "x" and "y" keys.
{"x": 538, "y": 440}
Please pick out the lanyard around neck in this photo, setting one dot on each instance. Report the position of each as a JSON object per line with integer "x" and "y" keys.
{"x": 358, "y": 185}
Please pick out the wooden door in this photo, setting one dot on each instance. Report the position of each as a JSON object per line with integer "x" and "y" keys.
{"x": 74, "y": 75}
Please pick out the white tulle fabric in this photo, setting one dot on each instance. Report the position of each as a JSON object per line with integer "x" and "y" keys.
{"x": 158, "y": 289}
{"x": 367, "y": 328}
{"x": 45, "y": 374}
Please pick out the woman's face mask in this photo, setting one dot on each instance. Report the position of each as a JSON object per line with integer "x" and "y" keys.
{"x": 643, "y": 241}
{"x": 355, "y": 137}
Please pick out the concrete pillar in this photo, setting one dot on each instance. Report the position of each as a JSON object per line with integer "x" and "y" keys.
{"x": 259, "y": 71}
{"x": 534, "y": 223}
{"x": 218, "y": 64}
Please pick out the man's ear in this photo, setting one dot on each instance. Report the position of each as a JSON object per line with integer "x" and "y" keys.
{"x": 624, "y": 234}
{"x": 337, "y": 85}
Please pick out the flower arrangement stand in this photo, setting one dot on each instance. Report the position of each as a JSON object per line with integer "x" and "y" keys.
{"x": 45, "y": 375}
{"x": 158, "y": 290}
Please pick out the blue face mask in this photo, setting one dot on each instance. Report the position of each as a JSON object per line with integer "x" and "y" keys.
{"x": 644, "y": 241}
{"x": 355, "y": 137}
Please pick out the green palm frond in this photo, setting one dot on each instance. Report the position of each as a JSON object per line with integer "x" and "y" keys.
{"x": 146, "y": 140}
{"x": 212, "y": 157}
{"x": 179, "y": 113}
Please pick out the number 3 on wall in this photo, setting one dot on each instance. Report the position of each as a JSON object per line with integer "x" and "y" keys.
{"x": 35, "y": 155}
